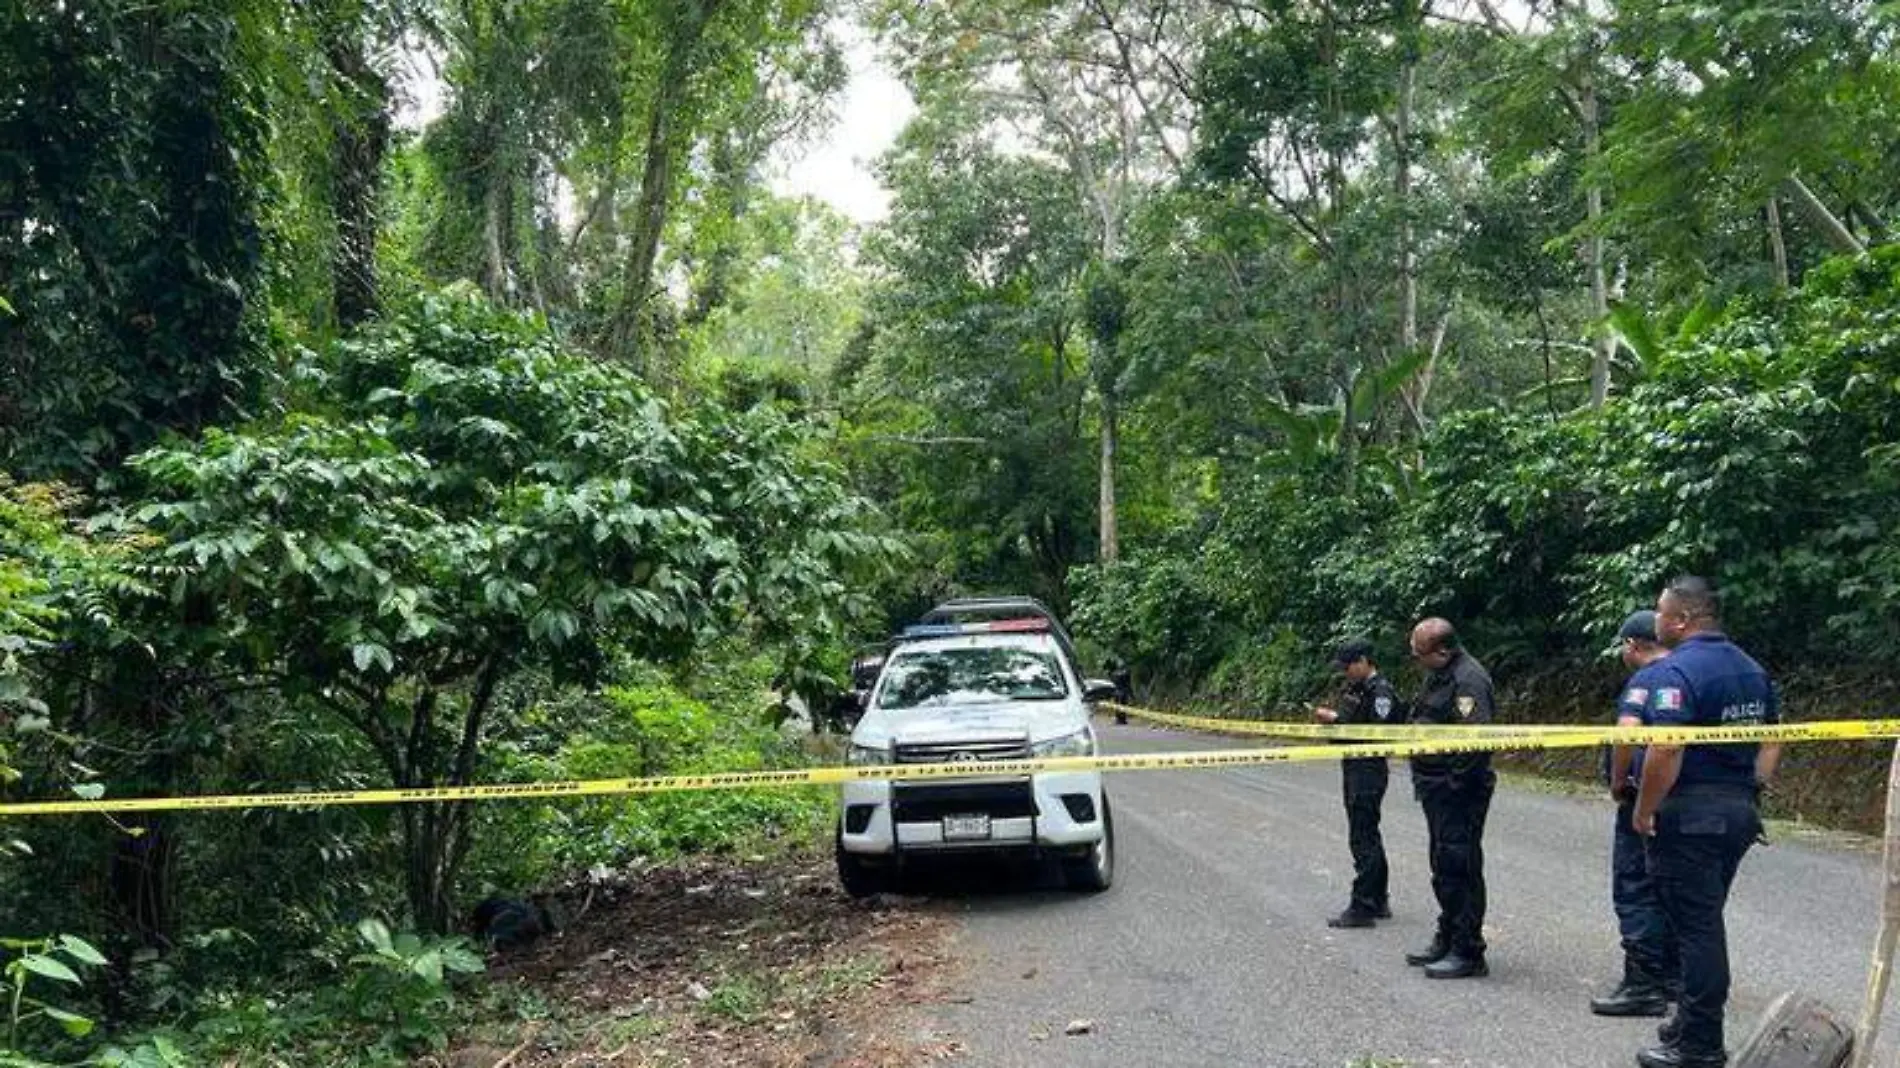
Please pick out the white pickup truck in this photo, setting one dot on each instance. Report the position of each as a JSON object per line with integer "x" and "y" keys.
{"x": 976, "y": 692}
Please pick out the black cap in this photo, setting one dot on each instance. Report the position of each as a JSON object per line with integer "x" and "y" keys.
{"x": 1350, "y": 651}
{"x": 1637, "y": 626}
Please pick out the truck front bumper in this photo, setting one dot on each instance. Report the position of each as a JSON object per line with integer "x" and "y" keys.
{"x": 1057, "y": 810}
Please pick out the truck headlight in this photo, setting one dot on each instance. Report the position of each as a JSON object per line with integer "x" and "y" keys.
{"x": 868, "y": 754}
{"x": 1081, "y": 743}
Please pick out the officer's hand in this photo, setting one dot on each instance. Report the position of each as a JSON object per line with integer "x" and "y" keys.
{"x": 1644, "y": 823}
{"x": 1325, "y": 715}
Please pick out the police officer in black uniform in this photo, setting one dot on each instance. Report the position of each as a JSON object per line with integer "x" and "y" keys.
{"x": 1698, "y": 807}
{"x": 1366, "y": 699}
{"x": 1455, "y": 791}
{"x": 1652, "y": 975}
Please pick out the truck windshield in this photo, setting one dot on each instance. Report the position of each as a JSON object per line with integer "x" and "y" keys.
{"x": 956, "y": 676}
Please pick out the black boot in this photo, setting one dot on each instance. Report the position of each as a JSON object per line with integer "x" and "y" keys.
{"x": 1674, "y": 1056}
{"x": 1669, "y": 1032}
{"x": 1458, "y": 964}
{"x": 1639, "y": 994}
{"x": 1383, "y": 912}
{"x": 1354, "y": 916}
{"x": 1431, "y": 954}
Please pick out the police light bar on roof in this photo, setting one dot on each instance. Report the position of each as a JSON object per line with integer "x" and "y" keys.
{"x": 995, "y": 626}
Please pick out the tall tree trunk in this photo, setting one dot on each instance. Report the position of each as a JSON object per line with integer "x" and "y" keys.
{"x": 359, "y": 141}
{"x": 137, "y": 691}
{"x": 1777, "y": 243}
{"x": 1111, "y": 533}
{"x": 142, "y": 880}
{"x": 656, "y": 189}
{"x": 1345, "y": 343}
{"x": 1402, "y": 186}
{"x": 1838, "y": 236}
{"x": 656, "y": 181}
{"x": 1605, "y": 346}
{"x": 494, "y": 221}
{"x": 1420, "y": 389}
{"x": 733, "y": 178}
{"x": 1349, "y": 449}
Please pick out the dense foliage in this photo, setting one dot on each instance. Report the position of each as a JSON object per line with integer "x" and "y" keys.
{"x": 420, "y": 393}
{"x": 1759, "y": 452}
{"x": 432, "y": 573}
{"x": 1411, "y": 310}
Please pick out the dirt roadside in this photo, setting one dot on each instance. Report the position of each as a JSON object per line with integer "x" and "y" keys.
{"x": 737, "y": 961}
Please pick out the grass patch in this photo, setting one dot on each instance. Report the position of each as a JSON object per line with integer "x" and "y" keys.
{"x": 742, "y": 998}
{"x": 752, "y": 996}
{"x": 637, "y": 1029}
{"x": 848, "y": 976}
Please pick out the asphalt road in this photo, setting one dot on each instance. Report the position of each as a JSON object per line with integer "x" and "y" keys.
{"x": 1212, "y": 949}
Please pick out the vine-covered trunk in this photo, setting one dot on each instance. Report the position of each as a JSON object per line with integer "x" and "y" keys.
{"x": 359, "y": 140}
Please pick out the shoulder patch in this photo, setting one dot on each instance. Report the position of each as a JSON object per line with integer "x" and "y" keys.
{"x": 1668, "y": 699}
{"x": 1466, "y": 705}
{"x": 1382, "y": 706}
{"x": 1636, "y": 695}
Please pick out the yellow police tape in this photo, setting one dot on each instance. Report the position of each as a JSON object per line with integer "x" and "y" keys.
{"x": 1343, "y": 731}
{"x": 1462, "y": 740}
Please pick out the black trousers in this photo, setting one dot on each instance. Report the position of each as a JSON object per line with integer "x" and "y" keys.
{"x": 1701, "y": 836}
{"x": 1365, "y": 783}
{"x": 1455, "y": 812}
{"x": 1649, "y": 946}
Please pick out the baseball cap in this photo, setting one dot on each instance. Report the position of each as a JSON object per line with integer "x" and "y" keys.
{"x": 1350, "y": 651}
{"x": 1637, "y": 626}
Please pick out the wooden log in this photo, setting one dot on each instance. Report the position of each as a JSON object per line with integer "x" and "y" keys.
{"x": 1796, "y": 1032}
{"x": 1880, "y": 970}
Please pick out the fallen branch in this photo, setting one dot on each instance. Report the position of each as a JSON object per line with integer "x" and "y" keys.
{"x": 1837, "y": 235}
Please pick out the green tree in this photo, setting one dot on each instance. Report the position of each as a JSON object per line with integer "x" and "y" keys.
{"x": 473, "y": 503}
{"x": 970, "y": 416}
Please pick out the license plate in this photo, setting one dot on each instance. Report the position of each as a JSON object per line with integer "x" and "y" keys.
{"x": 965, "y": 828}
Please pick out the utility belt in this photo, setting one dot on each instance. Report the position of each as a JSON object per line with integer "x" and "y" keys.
{"x": 1728, "y": 791}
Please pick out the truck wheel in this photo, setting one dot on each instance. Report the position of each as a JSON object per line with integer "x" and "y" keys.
{"x": 859, "y": 877}
{"x": 1094, "y": 871}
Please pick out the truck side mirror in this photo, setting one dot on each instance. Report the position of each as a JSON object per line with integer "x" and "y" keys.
{"x": 1094, "y": 690}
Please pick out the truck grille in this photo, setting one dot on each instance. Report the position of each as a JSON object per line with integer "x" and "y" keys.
{"x": 956, "y": 752}
{"x": 998, "y": 800}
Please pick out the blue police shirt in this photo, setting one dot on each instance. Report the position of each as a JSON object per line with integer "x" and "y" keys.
{"x": 1634, "y": 704}
{"x": 1708, "y": 681}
